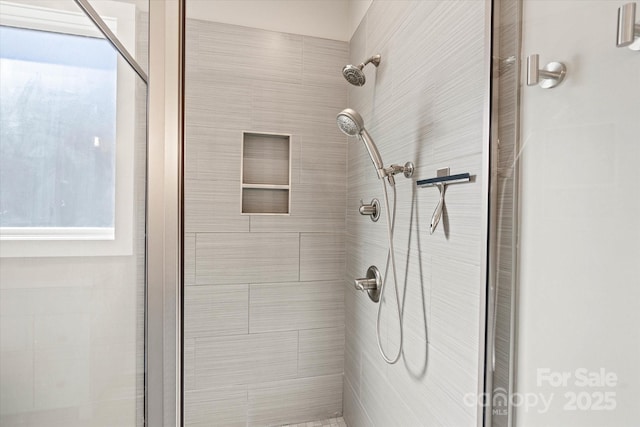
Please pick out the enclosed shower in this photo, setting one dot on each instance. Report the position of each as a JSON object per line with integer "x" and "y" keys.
{"x": 362, "y": 213}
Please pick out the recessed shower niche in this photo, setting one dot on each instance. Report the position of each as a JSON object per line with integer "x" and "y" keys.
{"x": 266, "y": 173}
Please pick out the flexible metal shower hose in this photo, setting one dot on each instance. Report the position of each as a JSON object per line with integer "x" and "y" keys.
{"x": 391, "y": 220}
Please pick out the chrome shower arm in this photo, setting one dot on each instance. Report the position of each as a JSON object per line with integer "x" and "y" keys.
{"x": 375, "y": 60}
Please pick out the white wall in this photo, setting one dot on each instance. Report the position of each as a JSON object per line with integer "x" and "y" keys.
{"x": 579, "y": 304}
{"x": 356, "y": 11}
{"x": 317, "y": 18}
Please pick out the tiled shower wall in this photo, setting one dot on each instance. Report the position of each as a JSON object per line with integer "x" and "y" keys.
{"x": 264, "y": 294}
{"x": 424, "y": 103}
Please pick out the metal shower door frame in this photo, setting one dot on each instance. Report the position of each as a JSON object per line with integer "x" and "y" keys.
{"x": 164, "y": 205}
{"x": 97, "y": 20}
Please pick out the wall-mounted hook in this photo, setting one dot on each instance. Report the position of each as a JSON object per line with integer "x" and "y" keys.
{"x": 551, "y": 75}
{"x": 628, "y": 29}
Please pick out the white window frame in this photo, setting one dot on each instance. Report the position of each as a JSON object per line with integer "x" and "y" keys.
{"x": 85, "y": 241}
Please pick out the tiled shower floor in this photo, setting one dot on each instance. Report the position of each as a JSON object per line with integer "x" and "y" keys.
{"x": 331, "y": 422}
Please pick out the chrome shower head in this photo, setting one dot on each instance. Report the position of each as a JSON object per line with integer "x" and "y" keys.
{"x": 354, "y": 74}
{"x": 351, "y": 124}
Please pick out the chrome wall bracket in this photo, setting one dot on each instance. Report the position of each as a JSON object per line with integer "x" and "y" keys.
{"x": 372, "y": 283}
{"x": 406, "y": 170}
{"x": 628, "y": 30}
{"x": 442, "y": 179}
{"x": 551, "y": 75}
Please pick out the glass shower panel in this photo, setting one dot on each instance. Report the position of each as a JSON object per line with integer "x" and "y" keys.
{"x": 72, "y": 222}
{"x": 579, "y": 233}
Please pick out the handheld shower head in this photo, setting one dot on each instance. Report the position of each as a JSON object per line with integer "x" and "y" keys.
{"x": 354, "y": 74}
{"x": 351, "y": 124}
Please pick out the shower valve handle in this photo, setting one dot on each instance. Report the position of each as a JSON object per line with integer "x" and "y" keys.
{"x": 372, "y": 284}
{"x": 365, "y": 284}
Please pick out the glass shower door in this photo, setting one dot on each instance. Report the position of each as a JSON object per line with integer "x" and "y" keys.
{"x": 72, "y": 217}
{"x": 579, "y": 237}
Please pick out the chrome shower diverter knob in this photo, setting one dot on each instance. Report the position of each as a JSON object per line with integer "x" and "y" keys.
{"x": 372, "y": 209}
{"x": 366, "y": 284}
{"x": 372, "y": 284}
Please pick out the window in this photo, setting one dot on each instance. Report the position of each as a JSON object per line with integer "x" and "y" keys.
{"x": 66, "y": 136}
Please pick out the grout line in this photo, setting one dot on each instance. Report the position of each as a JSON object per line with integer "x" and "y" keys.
{"x": 248, "y": 308}
{"x": 195, "y": 259}
{"x": 299, "y": 254}
{"x": 298, "y": 356}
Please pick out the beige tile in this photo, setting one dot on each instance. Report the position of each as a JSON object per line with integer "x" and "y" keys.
{"x": 216, "y": 407}
{"x": 314, "y": 208}
{"x": 226, "y": 258}
{"x": 189, "y": 259}
{"x": 322, "y": 61}
{"x": 233, "y": 50}
{"x": 321, "y": 352}
{"x": 213, "y": 205}
{"x": 293, "y": 306}
{"x": 208, "y": 148}
{"x": 457, "y": 287}
{"x": 297, "y": 400}
{"x": 216, "y": 310}
{"x": 245, "y": 359}
{"x": 189, "y": 354}
{"x": 384, "y": 405}
{"x": 354, "y": 413}
{"x": 321, "y": 256}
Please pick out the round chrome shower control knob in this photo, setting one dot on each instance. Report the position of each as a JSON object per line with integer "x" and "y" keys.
{"x": 372, "y": 209}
